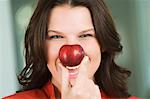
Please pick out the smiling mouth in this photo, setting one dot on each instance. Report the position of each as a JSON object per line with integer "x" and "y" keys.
{"x": 74, "y": 67}
{"x": 73, "y": 71}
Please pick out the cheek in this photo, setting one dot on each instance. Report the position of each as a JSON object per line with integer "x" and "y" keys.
{"x": 52, "y": 55}
{"x": 94, "y": 54}
{"x": 92, "y": 49}
{"x": 53, "y": 51}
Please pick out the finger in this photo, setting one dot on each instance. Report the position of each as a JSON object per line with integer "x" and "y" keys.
{"x": 83, "y": 70}
{"x": 58, "y": 64}
{"x": 64, "y": 74}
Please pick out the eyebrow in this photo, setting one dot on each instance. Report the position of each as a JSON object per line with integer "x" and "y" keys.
{"x": 87, "y": 30}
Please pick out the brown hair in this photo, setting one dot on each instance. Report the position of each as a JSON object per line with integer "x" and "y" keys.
{"x": 110, "y": 77}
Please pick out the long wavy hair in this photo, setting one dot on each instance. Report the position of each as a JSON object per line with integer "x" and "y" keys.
{"x": 110, "y": 77}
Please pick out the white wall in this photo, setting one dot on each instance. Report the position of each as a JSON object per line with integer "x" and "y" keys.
{"x": 132, "y": 18}
{"x": 142, "y": 13}
{"x": 8, "y": 83}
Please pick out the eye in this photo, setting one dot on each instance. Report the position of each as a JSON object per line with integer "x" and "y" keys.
{"x": 86, "y": 35}
{"x": 55, "y": 37}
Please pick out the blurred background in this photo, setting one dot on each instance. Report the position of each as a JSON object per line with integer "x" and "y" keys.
{"x": 132, "y": 19}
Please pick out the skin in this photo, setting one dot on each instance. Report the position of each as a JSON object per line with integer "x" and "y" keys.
{"x": 73, "y": 25}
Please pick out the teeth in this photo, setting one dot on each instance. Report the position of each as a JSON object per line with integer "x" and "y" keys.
{"x": 75, "y": 67}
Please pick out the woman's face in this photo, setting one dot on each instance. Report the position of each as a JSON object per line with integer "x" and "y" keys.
{"x": 71, "y": 25}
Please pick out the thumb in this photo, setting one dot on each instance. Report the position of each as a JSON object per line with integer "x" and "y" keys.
{"x": 83, "y": 69}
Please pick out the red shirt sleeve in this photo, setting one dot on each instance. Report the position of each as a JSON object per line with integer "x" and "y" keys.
{"x": 133, "y": 97}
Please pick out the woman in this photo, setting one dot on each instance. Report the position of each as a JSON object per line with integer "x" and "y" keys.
{"x": 69, "y": 22}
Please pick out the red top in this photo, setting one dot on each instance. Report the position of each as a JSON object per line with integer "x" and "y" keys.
{"x": 47, "y": 92}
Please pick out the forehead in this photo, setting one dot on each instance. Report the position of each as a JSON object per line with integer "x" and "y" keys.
{"x": 66, "y": 16}
{"x": 67, "y": 9}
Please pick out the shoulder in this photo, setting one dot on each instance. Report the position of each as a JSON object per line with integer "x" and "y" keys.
{"x": 104, "y": 96}
{"x": 134, "y": 97}
{"x": 46, "y": 92}
{"x": 31, "y": 94}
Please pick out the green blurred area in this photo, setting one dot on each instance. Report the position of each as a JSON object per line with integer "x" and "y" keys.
{"x": 132, "y": 19}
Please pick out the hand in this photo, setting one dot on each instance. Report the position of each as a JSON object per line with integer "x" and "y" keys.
{"x": 84, "y": 88}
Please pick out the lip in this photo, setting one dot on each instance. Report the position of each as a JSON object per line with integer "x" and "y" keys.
{"x": 73, "y": 73}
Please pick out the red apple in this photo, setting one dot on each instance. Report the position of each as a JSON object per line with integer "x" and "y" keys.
{"x": 71, "y": 55}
